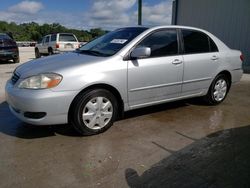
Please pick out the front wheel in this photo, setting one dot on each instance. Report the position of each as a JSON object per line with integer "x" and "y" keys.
{"x": 218, "y": 90}
{"x": 16, "y": 60}
{"x": 94, "y": 112}
{"x": 37, "y": 53}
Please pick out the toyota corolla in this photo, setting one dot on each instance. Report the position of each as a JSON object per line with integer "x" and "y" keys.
{"x": 125, "y": 69}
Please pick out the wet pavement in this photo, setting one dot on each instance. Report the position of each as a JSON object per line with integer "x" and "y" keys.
{"x": 180, "y": 144}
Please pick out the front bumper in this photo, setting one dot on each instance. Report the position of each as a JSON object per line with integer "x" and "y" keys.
{"x": 55, "y": 105}
{"x": 8, "y": 55}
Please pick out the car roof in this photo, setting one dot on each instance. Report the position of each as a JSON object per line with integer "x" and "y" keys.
{"x": 167, "y": 27}
{"x": 59, "y": 33}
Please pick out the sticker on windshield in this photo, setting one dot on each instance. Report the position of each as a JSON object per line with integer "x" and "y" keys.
{"x": 118, "y": 41}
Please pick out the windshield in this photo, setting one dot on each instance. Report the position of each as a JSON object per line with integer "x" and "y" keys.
{"x": 112, "y": 42}
{"x": 4, "y": 37}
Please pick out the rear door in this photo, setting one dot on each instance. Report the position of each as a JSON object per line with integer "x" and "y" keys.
{"x": 45, "y": 44}
{"x": 201, "y": 60}
{"x": 67, "y": 42}
{"x": 156, "y": 78}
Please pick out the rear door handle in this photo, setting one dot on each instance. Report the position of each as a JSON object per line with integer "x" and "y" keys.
{"x": 214, "y": 58}
{"x": 176, "y": 62}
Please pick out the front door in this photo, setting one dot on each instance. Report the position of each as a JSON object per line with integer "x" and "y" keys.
{"x": 157, "y": 78}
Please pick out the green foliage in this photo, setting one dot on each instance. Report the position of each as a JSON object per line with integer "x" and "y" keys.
{"x": 33, "y": 31}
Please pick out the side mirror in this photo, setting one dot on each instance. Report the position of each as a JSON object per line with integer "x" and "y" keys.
{"x": 140, "y": 52}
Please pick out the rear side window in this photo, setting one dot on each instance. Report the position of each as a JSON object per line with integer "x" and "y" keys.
{"x": 162, "y": 43}
{"x": 53, "y": 37}
{"x": 67, "y": 38}
{"x": 195, "y": 42}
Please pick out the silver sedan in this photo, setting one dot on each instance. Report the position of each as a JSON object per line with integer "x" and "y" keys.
{"x": 128, "y": 68}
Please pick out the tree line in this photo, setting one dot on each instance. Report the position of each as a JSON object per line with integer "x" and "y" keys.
{"x": 34, "y": 32}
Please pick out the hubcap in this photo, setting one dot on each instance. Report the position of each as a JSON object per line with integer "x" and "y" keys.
{"x": 97, "y": 113}
{"x": 220, "y": 90}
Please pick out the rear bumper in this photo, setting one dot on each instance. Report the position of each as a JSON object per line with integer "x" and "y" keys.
{"x": 61, "y": 50}
{"x": 236, "y": 75}
{"x": 52, "y": 105}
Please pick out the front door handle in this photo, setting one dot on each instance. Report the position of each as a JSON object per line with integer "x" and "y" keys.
{"x": 214, "y": 58}
{"x": 176, "y": 62}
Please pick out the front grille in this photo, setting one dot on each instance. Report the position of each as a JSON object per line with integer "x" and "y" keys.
{"x": 15, "y": 77}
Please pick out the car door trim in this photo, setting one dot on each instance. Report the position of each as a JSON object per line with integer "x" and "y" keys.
{"x": 165, "y": 100}
{"x": 197, "y": 80}
{"x": 171, "y": 84}
{"x": 155, "y": 86}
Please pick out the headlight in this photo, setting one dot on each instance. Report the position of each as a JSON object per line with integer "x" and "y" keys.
{"x": 41, "y": 81}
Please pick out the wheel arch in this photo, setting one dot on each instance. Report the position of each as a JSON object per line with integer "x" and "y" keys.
{"x": 228, "y": 75}
{"x": 107, "y": 87}
{"x": 50, "y": 48}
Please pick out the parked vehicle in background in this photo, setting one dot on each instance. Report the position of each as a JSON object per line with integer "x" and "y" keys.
{"x": 56, "y": 43}
{"x": 26, "y": 43}
{"x": 8, "y": 48}
{"x": 126, "y": 69}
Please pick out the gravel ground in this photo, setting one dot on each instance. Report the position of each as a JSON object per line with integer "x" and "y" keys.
{"x": 180, "y": 144}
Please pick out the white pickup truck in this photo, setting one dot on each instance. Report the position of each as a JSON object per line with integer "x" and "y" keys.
{"x": 56, "y": 43}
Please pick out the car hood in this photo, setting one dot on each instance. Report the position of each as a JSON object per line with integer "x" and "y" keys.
{"x": 56, "y": 63}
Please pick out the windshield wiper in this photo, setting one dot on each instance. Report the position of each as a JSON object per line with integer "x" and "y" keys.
{"x": 92, "y": 52}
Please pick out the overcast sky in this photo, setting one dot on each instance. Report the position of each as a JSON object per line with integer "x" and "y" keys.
{"x": 85, "y": 14}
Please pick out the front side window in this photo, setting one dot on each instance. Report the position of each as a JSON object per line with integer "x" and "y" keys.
{"x": 195, "y": 42}
{"x": 161, "y": 43}
{"x": 47, "y": 39}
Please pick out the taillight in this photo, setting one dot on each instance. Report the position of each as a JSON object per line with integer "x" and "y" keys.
{"x": 57, "y": 45}
{"x": 242, "y": 57}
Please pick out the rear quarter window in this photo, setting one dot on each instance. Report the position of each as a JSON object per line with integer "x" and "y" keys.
{"x": 213, "y": 46}
{"x": 67, "y": 38}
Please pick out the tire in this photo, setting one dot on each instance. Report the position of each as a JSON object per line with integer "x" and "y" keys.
{"x": 37, "y": 53}
{"x": 16, "y": 60}
{"x": 88, "y": 115}
{"x": 50, "y": 51}
{"x": 218, "y": 90}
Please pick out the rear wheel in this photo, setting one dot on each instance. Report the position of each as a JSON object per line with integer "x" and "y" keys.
{"x": 37, "y": 53}
{"x": 94, "y": 111}
{"x": 218, "y": 90}
{"x": 50, "y": 50}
